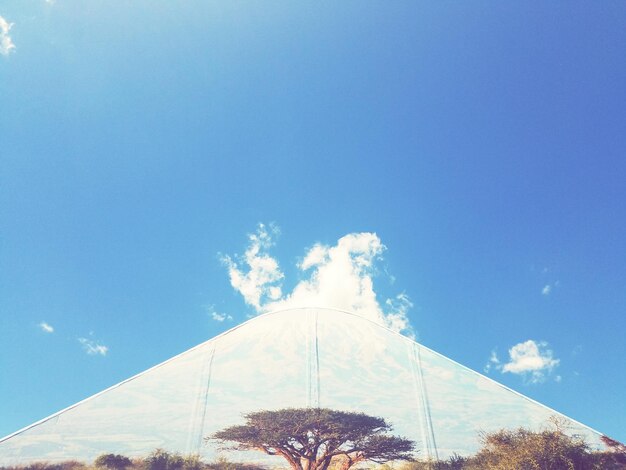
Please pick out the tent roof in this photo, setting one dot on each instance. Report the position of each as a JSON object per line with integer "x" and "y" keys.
{"x": 307, "y": 357}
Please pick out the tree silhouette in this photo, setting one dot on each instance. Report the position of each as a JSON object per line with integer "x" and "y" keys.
{"x": 312, "y": 438}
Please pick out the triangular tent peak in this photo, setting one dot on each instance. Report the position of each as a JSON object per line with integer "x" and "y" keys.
{"x": 308, "y": 357}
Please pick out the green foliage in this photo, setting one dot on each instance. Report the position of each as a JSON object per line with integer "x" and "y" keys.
{"x": 159, "y": 459}
{"x": 224, "y": 464}
{"x": 113, "y": 461}
{"x": 313, "y": 438}
{"x": 192, "y": 462}
{"x": 162, "y": 460}
{"x": 454, "y": 462}
{"x": 67, "y": 465}
{"x": 614, "y": 458}
{"x": 522, "y": 449}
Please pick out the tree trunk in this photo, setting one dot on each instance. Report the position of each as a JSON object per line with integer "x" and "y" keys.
{"x": 349, "y": 462}
{"x": 323, "y": 464}
{"x": 295, "y": 464}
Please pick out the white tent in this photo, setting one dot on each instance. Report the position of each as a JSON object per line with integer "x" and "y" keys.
{"x": 309, "y": 357}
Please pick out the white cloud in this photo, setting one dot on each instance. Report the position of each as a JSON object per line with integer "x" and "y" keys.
{"x": 261, "y": 280}
{"x": 397, "y": 312}
{"x": 92, "y": 347}
{"x": 493, "y": 362}
{"x": 46, "y": 327}
{"x": 6, "y": 44}
{"x": 316, "y": 256}
{"x": 548, "y": 288}
{"x": 341, "y": 276}
{"x": 217, "y": 316}
{"x": 494, "y": 358}
{"x": 532, "y": 360}
{"x": 220, "y": 316}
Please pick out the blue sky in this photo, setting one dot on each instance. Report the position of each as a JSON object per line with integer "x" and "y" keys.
{"x": 142, "y": 144}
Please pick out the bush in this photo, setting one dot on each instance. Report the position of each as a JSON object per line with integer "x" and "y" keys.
{"x": 224, "y": 464}
{"x": 67, "y": 465}
{"x": 113, "y": 461}
{"x": 192, "y": 462}
{"x": 523, "y": 449}
{"x": 162, "y": 460}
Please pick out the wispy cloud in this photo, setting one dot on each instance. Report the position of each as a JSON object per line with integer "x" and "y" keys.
{"x": 549, "y": 288}
{"x": 530, "y": 359}
{"x": 339, "y": 276}
{"x": 93, "y": 348}
{"x": 6, "y": 44}
{"x": 492, "y": 362}
{"x": 217, "y": 316}
{"x": 45, "y": 327}
{"x": 396, "y": 315}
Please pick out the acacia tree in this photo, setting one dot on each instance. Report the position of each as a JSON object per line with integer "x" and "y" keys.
{"x": 312, "y": 438}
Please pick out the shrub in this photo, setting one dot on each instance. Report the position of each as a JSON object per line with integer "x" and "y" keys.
{"x": 113, "y": 461}
{"x": 162, "y": 460}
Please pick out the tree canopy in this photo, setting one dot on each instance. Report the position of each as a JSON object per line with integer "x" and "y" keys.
{"x": 312, "y": 438}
